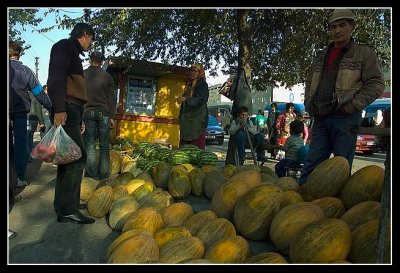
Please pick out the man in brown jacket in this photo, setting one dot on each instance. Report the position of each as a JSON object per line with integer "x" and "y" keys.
{"x": 67, "y": 91}
{"x": 344, "y": 78}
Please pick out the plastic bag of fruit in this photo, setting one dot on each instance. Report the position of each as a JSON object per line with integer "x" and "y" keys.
{"x": 56, "y": 147}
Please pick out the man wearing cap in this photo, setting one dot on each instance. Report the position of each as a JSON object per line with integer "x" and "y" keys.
{"x": 193, "y": 115}
{"x": 98, "y": 116}
{"x": 343, "y": 79}
{"x": 67, "y": 91}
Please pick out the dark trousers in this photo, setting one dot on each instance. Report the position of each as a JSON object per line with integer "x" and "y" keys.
{"x": 97, "y": 123}
{"x": 69, "y": 176}
{"x": 12, "y": 174}
{"x": 331, "y": 134}
{"x": 20, "y": 144}
{"x": 240, "y": 141}
{"x": 33, "y": 123}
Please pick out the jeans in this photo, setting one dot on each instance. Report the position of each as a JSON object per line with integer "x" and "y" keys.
{"x": 97, "y": 123}
{"x": 240, "y": 141}
{"x": 331, "y": 134}
{"x": 20, "y": 145}
{"x": 69, "y": 176}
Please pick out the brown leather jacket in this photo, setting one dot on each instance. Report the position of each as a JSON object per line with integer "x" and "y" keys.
{"x": 359, "y": 80}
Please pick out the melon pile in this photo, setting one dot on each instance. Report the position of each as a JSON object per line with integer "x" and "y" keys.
{"x": 330, "y": 219}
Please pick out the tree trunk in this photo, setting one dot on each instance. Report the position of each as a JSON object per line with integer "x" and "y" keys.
{"x": 244, "y": 35}
{"x": 243, "y": 30}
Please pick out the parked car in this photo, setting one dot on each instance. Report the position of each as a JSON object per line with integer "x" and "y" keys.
{"x": 369, "y": 144}
{"x": 214, "y": 132}
{"x": 225, "y": 110}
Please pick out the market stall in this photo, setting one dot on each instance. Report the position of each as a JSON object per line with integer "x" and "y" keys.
{"x": 146, "y": 106}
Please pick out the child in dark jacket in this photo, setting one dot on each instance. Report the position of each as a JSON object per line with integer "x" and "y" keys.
{"x": 291, "y": 148}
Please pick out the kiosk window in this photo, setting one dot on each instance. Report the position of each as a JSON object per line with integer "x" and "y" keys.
{"x": 140, "y": 96}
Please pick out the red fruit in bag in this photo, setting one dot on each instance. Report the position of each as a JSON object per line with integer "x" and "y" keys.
{"x": 41, "y": 149}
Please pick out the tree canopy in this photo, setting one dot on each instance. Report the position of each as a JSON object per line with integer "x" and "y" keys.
{"x": 277, "y": 45}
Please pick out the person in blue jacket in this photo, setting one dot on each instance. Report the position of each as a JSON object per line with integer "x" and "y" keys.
{"x": 22, "y": 80}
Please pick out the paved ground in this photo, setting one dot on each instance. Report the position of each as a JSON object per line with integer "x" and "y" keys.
{"x": 41, "y": 240}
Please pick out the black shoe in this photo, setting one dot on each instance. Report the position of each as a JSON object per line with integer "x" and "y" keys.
{"x": 77, "y": 218}
{"x": 82, "y": 206}
{"x": 11, "y": 234}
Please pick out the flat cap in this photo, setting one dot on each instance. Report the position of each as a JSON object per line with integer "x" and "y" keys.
{"x": 338, "y": 14}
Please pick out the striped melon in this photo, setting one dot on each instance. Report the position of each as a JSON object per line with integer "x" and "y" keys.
{"x": 267, "y": 258}
{"x": 234, "y": 249}
{"x": 327, "y": 179}
{"x": 198, "y": 220}
{"x": 332, "y": 206}
{"x": 157, "y": 199}
{"x": 322, "y": 241}
{"x": 160, "y": 174}
{"x": 167, "y": 234}
{"x": 196, "y": 177}
{"x": 88, "y": 186}
{"x": 126, "y": 235}
{"x": 255, "y": 210}
{"x": 290, "y": 197}
{"x": 120, "y": 211}
{"x": 100, "y": 202}
{"x": 225, "y": 198}
{"x": 181, "y": 249}
{"x": 179, "y": 184}
{"x": 119, "y": 191}
{"x": 364, "y": 185}
{"x": 176, "y": 214}
{"x": 215, "y": 230}
{"x": 364, "y": 244}
{"x": 289, "y": 220}
{"x": 138, "y": 249}
{"x": 287, "y": 183}
{"x": 212, "y": 182}
{"x": 147, "y": 218}
{"x": 361, "y": 213}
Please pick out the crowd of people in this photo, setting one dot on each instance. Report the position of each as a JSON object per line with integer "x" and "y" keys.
{"x": 84, "y": 103}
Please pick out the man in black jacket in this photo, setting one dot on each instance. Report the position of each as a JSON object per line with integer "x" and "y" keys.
{"x": 67, "y": 91}
{"x": 99, "y": 115}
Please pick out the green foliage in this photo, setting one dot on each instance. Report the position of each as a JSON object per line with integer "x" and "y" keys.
{"x": 280, "y": 42}
{"x": 19, "y": 19}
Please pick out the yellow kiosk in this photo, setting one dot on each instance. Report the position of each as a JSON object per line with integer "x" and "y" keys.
{"x": 146, "y": 93}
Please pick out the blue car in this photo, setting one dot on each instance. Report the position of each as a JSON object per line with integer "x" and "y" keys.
{"x": 214, "y": 132}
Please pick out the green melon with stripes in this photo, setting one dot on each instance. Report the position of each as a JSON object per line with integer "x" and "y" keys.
{"x": 207, "y": 158}
{"x": 179, "y": 157}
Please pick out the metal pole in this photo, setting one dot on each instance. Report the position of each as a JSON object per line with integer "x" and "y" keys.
{"x": 385, "y": 210}
{"x": 251, "y": 145}
{"x": 37, "y": 66}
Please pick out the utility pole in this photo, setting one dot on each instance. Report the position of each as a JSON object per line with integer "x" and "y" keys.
{"x": 37, "y": 66}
